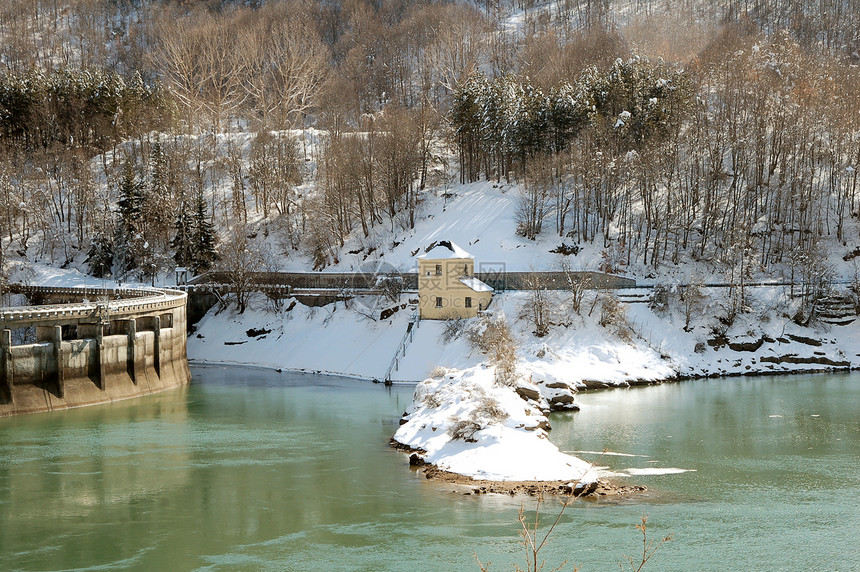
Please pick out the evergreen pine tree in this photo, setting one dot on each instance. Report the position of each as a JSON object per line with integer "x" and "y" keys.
{"x": 157, "y": 206}
{"x": 128, "y": 237}
{"x": 101, "y": 255}
{"x": 204, "y": 239}
{"x": 183, "y": 243}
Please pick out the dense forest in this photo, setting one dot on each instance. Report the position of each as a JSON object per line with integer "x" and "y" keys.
{"x": 140, "y": 134}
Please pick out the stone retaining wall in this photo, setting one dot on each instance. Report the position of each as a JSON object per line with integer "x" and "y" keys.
{"x": 409, "y": 280}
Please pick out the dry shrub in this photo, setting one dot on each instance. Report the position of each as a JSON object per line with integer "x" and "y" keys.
{"x": 453, "y": 329}
{"x": 464, "y": 430}
{"x": 431, "y": 401}
{"x": 613, "y": 315}
{"x": 492, "y": 336}
{"x": 490, "y": 409}
{"x": 611, "y": 311}
{"x": 439, "y": 372}
{"x": 540, "y": 306}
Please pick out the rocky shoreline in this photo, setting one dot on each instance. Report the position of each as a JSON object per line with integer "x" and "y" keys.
{"x": 469, "y": 486}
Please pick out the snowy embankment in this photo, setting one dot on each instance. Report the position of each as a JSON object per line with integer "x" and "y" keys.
{"x": 464, "y": 422}
{"x": 648, "y": 347}
{"x": 334, "y": 339}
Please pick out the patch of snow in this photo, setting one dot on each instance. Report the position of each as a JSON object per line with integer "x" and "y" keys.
{"x": 475, "y": 284}
{"x": 334, "y": 339}
{"x": 657, "y": 471}
{"x": 445, "y": 250}
{"x": 606, "y": 453}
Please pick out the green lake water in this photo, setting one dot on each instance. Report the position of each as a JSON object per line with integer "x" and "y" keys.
{"x": 256, "y": 470}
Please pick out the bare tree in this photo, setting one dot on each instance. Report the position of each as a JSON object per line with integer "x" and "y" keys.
{"x": 540, "y": 305}
{"x": 459, "y": 46}
{"x": 176, "y": 54}
{"x": 398, "y": 153}
{"x": 533, "y": 202}
{"x": 223, "y": 68}
{"x": 578, "y": 283}
{"x": 240, "y": 259}
{"x": 287, "y": 64}
{"x": 201, "y": 59}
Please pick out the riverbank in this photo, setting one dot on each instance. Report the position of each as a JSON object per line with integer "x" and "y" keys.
{"x": 594, "y": 491}
{"x": 637, "y": 345}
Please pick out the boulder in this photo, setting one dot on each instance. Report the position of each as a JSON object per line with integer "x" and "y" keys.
{"x": 559, "y": 395}
{"x": 746, "y": 346}
{"x": 558, "y": 385}
{"x": 528, "y": 393}
{"x": 805, "y": 340}
{"x": 563, "y": 403}
{"x": 595, "y": 384}
{"x": 800, "y": 360}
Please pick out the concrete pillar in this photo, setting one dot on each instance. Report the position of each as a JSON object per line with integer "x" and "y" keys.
{"x": 131, "y": 332}
{"x": 6, "y": 364}
{"x": 95, "y": 332}
{"x": 57, "y": 340}
{"x": 100, "y": 346}
{"x": 53, "y": 335}
{"x": 157, "y": 346}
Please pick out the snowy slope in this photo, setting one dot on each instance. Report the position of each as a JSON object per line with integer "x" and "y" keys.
{"x": 479, "y": 217}
{"x": 332, "y": 339}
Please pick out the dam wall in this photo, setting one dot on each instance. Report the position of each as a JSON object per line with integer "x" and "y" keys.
{"x": 126, "y": 343}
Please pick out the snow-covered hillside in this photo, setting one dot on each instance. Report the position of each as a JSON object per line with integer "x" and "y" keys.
{"x": 333, "y": 339}
{"x": 479, "y": 217}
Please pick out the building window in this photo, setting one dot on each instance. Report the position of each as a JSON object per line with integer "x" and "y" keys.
{"x": 438, "y": 301}
{"x": 465, "y": 270}
{"x": 468, "y": 302}
{"x": 438, "y": 270}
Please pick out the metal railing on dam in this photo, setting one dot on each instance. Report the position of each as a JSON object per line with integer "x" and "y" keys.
{"x": 82, "y": 346}
{"x": 85, "y": 304}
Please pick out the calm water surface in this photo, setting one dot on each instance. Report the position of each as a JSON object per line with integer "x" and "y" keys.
{"x": 249, "y": 469}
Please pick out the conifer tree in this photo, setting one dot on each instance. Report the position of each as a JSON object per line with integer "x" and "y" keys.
{"x": 182, "y": 242}
{"x": 204, "y": 239}
{"x": 128, "y": 240}
{"x": 101, "y": 255}
{"x": 157, "y": 204}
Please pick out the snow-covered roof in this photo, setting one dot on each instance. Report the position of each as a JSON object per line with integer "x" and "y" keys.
{"x": 445, "y": 249}
{"x": 475, "y": 284}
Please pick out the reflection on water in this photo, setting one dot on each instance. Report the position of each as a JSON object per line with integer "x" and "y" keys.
{"x": 250, "y": 469}
{"x": 114, "y": 454}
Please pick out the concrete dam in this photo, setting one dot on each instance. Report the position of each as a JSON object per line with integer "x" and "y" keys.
{"x": 72, "y": 347}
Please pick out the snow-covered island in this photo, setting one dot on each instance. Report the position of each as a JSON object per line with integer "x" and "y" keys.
{"x": 465, "y": 422}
